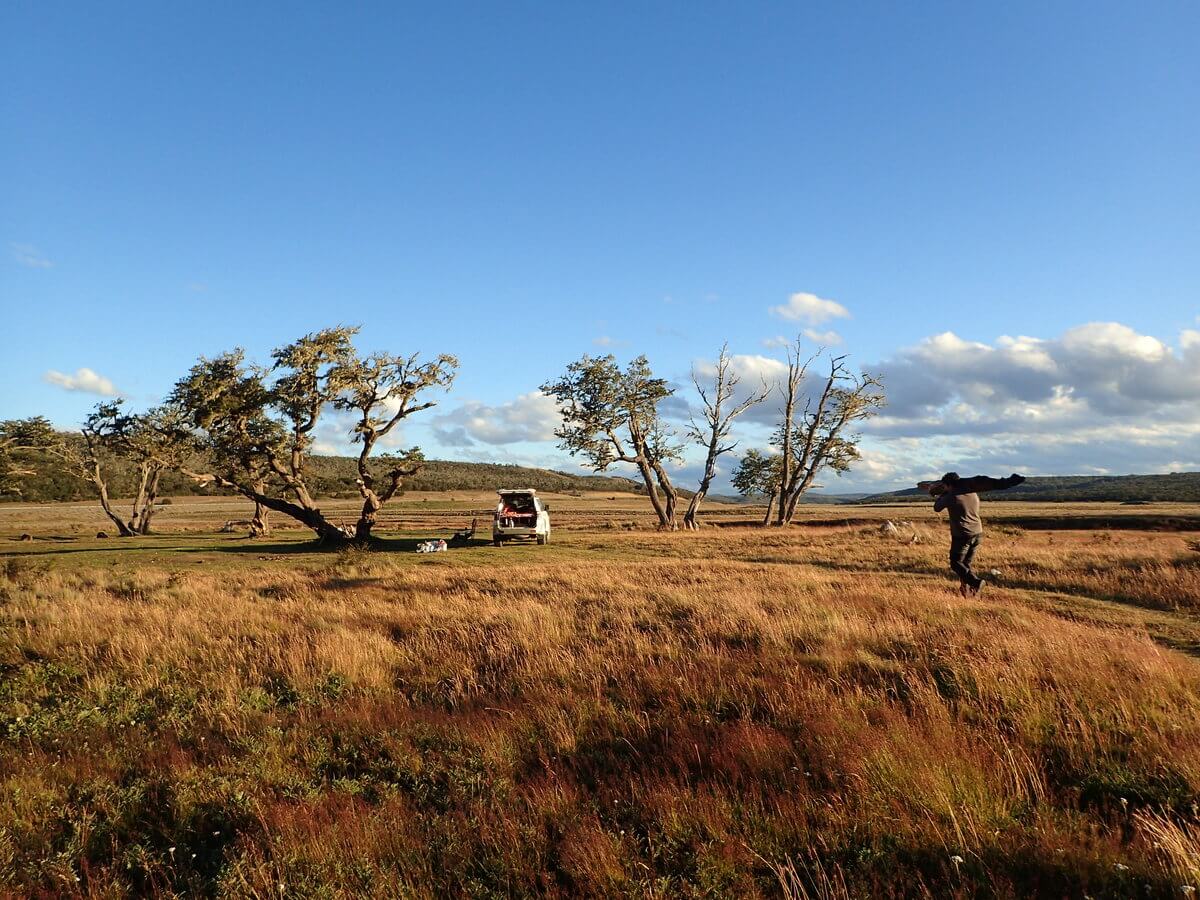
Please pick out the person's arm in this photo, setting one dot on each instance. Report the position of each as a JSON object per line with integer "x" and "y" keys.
{"x": 941, "y": 502}
{"x": 980, "y": 483}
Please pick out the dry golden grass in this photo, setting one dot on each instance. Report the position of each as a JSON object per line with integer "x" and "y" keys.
{"x": 739, "y": 712}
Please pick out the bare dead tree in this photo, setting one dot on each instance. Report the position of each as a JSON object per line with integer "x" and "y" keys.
{"x": 790, "y": 389}
{"x": 818, "y": 439}
{"x": 610, "y": 415}
{"x": 720, "y": 411}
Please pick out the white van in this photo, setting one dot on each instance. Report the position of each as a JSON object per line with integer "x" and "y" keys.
{"x": 520, "y": 514}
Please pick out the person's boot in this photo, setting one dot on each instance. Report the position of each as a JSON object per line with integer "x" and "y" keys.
{"x": 978, "y": 587}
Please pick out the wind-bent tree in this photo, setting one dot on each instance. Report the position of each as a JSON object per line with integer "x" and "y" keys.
{"x": 817, "y": 439}
{"x": 224, "y": 402}
{"x": 153, "y": 442}
{"x": 257, "y": 424}
{"x": 382, "y": 391}
{"x": 610, "y": 416}
{"x": 720, "y": 411}
{"x": 757, "y": 475}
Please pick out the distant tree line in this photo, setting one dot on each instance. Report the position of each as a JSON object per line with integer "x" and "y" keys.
{"x": 234, "y": 426}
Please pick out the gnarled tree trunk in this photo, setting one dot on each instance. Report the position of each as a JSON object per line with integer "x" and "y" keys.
{"x": 770, "y": 506}
{"x": 143, "y": 502}
{"x": 106, "y": 504}
{"x": 670, "y": 497}
{"x": 663, "y": 503}
{"x": 259, "y": 525}
{"x": 373, "y": 500}
{"x": 369, "y": 516}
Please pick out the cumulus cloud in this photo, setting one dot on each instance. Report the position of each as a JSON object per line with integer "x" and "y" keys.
{"x": 1098, "y": 369}
{"x": 775, "y": 342}
{"x": 530, "y": 417}
{"x": 825, "y": 338}
{"x": 28, "y": 255}
{"x": 1100, "y": 398}
{"x": 328, "y": 448}
{"x": 810, "y": 309}
{"x": 84, "y": 381}
{"x": 752, "y": 367}
{"x": 876, "y": 466}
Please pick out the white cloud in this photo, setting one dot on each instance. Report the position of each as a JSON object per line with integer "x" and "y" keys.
{"x": 753, "y": 370}
{"x": 1097, "y": 369}
{"x": 778, "y": 341}
{"x": 603, "y": 341}
{"x": 28, "y": 255}
{"x": 810, "y": 309}
{"x": 876, "y": 467}
{"x": 328, "y": 448}
{"x": 824, "y": 338}
{"x": 530, "y": 417}
{"x": 1101, "y": 397}
{"x": 84, "y": 380}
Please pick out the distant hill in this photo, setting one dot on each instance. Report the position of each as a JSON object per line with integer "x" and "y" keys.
{"x": 819, "y": 497}
{"x": 1177, "y": 487}
{"x": 333, "y": 476}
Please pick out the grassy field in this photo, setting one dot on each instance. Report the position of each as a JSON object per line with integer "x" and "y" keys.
{"x": 738, "y": 712}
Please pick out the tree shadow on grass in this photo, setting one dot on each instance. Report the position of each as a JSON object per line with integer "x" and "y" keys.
{"x": 132, "y": 546}
{"x": 237, "y": 546}
{"x": 50, "y": 539}
{"x": 375, "y": 545}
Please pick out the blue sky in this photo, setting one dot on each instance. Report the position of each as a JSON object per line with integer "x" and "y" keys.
{"x": 1005, "y": 200}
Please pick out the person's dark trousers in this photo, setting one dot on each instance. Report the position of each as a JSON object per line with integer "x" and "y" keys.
{"x": 962, "y": 551}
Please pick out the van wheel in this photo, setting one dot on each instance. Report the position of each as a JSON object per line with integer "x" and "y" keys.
{"x": 497, "y": 542}
{"x": 543, "y": 538}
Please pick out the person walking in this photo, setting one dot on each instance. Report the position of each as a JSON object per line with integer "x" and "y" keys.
{"x": 960, "y": 498}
